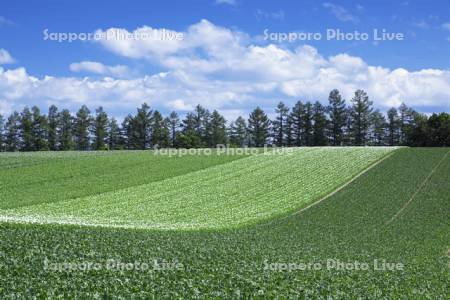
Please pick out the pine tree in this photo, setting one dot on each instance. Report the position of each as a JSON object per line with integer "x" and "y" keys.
{"x": 127, "y": 133}
{"x": 404, "y": 120}
{"x": 113, "y": 137}
{"x": 307, "y": 118}
{"x": 201, "y": 127}
{"x": 2, "y": 134}
{"x": 297, "y": 115}
{"x": 189, "y": 137}
{"x": 100, "y": 130}
{"x": 53, "y": 125}
{"x": 258, "y": 127}
{"x": 39, "y": 130}
{"x": 320, "y": 125}
{"x": 238, "y": 132}
{"x": 160, "y": 131}
{"x": 280, "y": 124}
{"x": 378, "y": 128}
{"x": 361, "y": 112}
{"x": 82, "y": 125}
{"x": 12, "y": 132}
{"x": 392, "y": 127}
{"x": 65, "y": 132}
{"x": 174, "y": 123}
{"x": 141, "y": 127}
{"x": 26, "y": 128}
{"x": 338, "y": 117}
{"x": 218, "y": 130}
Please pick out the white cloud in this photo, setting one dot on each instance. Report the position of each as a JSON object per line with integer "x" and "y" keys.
{"x": 264, "y": 15}
{"x": 5, "y": 21}
{"x": 6, "y": 58}
{"x": 340, "y": 12}
{"x": 446, "y": 26}
{"x": 229, "y": 2}
{"x": 99, "y": 68}
{"x": 221, "y": 69}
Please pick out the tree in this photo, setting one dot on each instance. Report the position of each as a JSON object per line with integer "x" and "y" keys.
{"x": 218, "y": 129}
{"x": 65, "y": 136}
{"x": 100, "y": 130}
{"x": 418, "y": 136}
{"x": 338, "y": 117}
{"x": 361, "y": 112}
{"x": 404, "y": 120}
{"x": 53, "y": 124}
{"x": 238, "y": 132}
{"x": 258, "y": 127}
{"x": 26, "y": 128}
{"x": 174, "y": 123}
{"x": 141, "y": 127}
{"x": 378, "y": 130}
{"x": 280, "y": 124}
{"x": 114, "y": 141}
{"x": 201, "y": 124}
{"x": 307, "y": 118}
{"x": 12, "y": 135}
{"x": 320, "y": 125}
{"x": 296, "y": 117}
{"x": 160, "y": 131}
{"x": 392, "y": 127}
{"x": 39, "y": 130}
{"x": 439, "y": 130}
{"x": 189, "y": 137}
{"x": 2, "y": 134}
{"x": 83, "y": 122}
{"x": 126, "y": 132}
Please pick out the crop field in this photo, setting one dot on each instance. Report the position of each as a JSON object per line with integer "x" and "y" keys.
{"x": 300, "y": 224}
{"x": 222, "y": 196}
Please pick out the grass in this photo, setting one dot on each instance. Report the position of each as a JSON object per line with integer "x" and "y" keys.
{"x": 35, "y": 178}
{"x": 349, "y": 226}
{"x": 234, "y": 194}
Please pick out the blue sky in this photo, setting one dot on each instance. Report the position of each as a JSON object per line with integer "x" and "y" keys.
{"x": 223, "y": 60}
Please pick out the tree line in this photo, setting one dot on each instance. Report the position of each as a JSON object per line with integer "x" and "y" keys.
{"x": 305, "y": 124}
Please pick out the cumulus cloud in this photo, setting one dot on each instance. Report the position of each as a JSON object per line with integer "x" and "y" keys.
{"x": 99, "y": 68}
{"x": 6, "y": 58}
{"x": 222, "y": 69}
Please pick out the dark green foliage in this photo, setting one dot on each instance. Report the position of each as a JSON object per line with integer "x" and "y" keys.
{"x": 65, "y": 131}
{"x": 82, "y": 124}
{"x": 392, "y": 127}
{"x": 307, "y": 124}
{"x": 258, "y": 128}
{"x": 378, "y": 129}
{"x": 217, "y": 130}
{"x": 12, "y": 132}
{"x": 280, "y": 126}
{"x": 174, "y": 124}
{"x": 320, "y": 125}
{"x": 238, "y": 132}
{"x": 338, "y": 116}
{"x": 350, "y": 226}
{"x": 26, "y": 130}
{"x": 100, "y": 130}
{"x": 160, "y": 131}
{"x": 53, "y": 127}
{"x": 39, "y": 130}
{"x": 360, "y": 114}
{"x": 2, "y": 134}
{"x": 113, "y": 135}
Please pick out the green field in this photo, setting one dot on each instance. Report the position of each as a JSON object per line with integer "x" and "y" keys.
{"x": 236, "y": 193}
{"x": 395, "y": 210}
